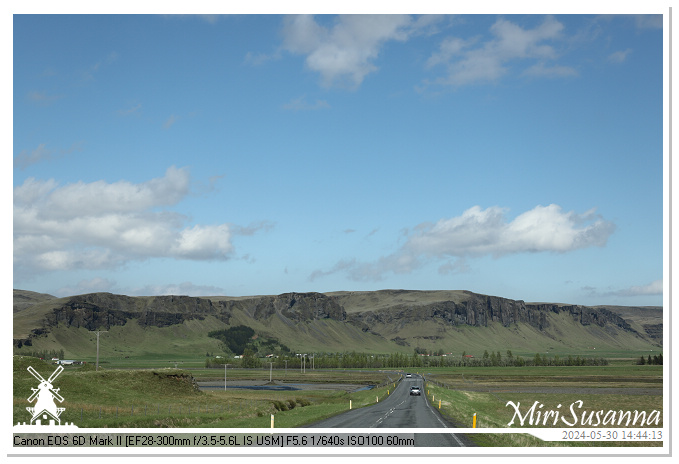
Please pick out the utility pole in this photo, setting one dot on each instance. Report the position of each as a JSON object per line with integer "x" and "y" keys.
{"x": 98, "y": 332}
{"x": 270, "y": 371}
{"x": 286, "y": 368}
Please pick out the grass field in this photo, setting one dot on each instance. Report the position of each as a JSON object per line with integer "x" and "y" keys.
{"x": 168, "y": 397}
{"x": 487, "y": 391}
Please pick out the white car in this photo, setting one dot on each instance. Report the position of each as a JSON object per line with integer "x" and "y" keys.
{"x": 408, "y": 376}
{"x": 415, "y": 391}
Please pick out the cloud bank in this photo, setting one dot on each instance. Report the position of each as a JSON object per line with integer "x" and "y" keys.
{"x": 479, "y": 232}
{"x": 344, "y": 54}
{"x": 469, "y": 61}
{"x": 102, "y": 225}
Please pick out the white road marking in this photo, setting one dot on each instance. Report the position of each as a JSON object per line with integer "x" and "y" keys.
{"x": 443, "y": 423}
{"x": 426, "y": 401}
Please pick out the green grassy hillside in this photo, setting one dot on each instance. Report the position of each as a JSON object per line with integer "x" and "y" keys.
{"x": 561, "y": 334}
{"x": 355, "y": 302}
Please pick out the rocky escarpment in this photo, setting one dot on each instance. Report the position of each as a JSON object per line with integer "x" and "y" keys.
{"x": 654, "y": 331}
{"x": 586, "y": 315}
{"x": 103, "y": 310}
{"x": 479, "y": 310}
{"x": 385, "y": 314}
{"x": 297, "y": 307}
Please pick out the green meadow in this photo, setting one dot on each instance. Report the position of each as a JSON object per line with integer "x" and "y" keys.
{"x": 486, "y": 392}
{"x": 168, "y": 397}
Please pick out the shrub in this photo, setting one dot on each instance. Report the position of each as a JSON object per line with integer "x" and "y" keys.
{"x": 280, "y": 405}
{"x": 302, "y": 402}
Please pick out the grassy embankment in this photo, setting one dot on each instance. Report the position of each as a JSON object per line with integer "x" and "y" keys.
{"x": 486, "y": 391}
{"x": 169, "y": 398}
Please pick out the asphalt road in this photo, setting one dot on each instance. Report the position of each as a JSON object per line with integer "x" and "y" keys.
{"x": 400, "y": 410}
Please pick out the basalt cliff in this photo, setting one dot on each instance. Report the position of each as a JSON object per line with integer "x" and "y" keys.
{"x": 361, "y": 321}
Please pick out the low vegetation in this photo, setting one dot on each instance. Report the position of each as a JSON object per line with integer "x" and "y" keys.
{"x": 170, "y": 398}
{"x": 487, "y": 391}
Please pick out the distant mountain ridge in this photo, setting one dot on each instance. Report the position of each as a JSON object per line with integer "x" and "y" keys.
{"x": 384, "y": 320}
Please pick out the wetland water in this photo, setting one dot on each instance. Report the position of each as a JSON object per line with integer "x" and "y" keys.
{"x": 279, "y": 386}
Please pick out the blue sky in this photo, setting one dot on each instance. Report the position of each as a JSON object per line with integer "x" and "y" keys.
{"x": 512, "y": 155}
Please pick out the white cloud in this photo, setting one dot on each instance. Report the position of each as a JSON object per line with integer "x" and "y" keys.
{"x": 203, "y": 242}
{"x": 654, "y": 288}
{"x": 42, "y": 153}
{"x": 651, "y": 21}
{"x": 472, "y": 61}
{"x": 480, "y": 232}
{"x": 88, "y": 74}
{"x": 458, "y": 266}
{"x": 100, "y": 198}
{"x": 96, "y": 284}
{"x": 135, "y": 109}
{"x": 102, "y": 225}
{"x": 258, "y": 59}
{"x": 301, "y": 104}
{"x": 26, "y": 158}
{"x": 99, "y": 284}
{"x": 543, "y": 70}
{"x": 344, "y": 54}
{"x": 42, "y": 98}
{"x": 450, "y": 47}
{"x": 619, "y": 56}
{"x": 184, "y": 288}
{"x": 169, "y": 122}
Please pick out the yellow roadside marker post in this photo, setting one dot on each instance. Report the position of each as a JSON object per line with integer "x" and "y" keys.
{"x": 271, "y": 420}
{"x": 474, "y": 423}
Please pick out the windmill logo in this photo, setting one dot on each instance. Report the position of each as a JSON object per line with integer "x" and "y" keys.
{"x": 44, "y": 396}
